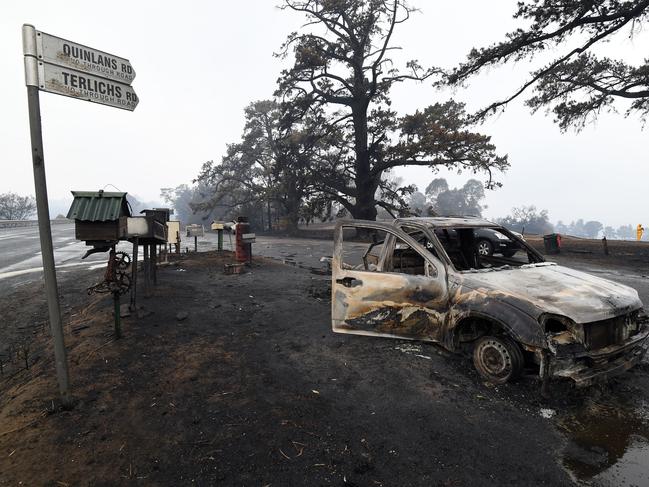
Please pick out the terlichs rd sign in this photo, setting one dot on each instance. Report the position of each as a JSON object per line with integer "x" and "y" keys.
{"x": 66, "y": 68}
{"x": 71, "y": 69}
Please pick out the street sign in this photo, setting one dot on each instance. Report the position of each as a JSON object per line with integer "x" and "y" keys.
{"x": 65, "y": 68}
{"x": 76, "y": 84}
{"x": 71, "y": 69}
{"x": 54, "y": 50}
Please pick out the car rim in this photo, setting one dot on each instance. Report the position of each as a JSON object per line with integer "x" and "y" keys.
{"x": 483, "y": 248}
{"x": 496, "y": 359}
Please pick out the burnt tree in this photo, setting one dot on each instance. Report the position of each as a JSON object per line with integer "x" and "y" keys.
{"x": 272, "y": 165}
{"x": 576, "y": 84}
{"x": 342, "y": 63}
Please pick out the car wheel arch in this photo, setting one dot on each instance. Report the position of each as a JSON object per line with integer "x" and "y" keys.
{"x": 521, "y": 325}
{"x": 471, "y": 326}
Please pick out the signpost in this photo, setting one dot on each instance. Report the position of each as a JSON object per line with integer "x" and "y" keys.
{"x": 66, "y": 68}
{"x": 54, "y": 50}
{"x": 75, "y": 84}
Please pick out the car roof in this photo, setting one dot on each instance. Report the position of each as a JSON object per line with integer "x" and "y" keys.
{"x": 451, "y": 221}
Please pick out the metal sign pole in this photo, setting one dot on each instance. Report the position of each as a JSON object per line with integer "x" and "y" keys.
{"x": 147, "y": 269}
{"x": 118, "y": 317}
{"x": 112, "y": 266}
{"x": 154, "y": 263}
{"x": 40, "y": 184}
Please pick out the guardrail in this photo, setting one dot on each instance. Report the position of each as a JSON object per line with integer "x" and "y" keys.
{"x": 30, "y": 223}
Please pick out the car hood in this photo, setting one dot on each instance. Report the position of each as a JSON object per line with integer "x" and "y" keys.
{"x": 549, "y": 288}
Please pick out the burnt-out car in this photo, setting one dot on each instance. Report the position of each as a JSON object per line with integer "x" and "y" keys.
{"x": 425, "y": 279}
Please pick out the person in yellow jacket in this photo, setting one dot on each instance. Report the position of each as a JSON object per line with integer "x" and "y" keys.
{"x": 639, "y": 231}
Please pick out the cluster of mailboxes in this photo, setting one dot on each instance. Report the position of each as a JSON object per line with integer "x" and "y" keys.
{"x": 103, "y": 218}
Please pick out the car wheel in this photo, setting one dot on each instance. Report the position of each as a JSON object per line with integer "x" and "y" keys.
{"x": 485, "y": 248}
{"x": 497, "y": 359}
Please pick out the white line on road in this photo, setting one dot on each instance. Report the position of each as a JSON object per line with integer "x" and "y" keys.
{"x": 92, "y": 265}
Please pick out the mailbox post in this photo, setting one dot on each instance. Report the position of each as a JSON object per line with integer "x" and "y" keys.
{"x": 219, "y": 231}
{"x": 173, "y": 235}
{"x": 195, "y": 231}
{"x": 100, "y": 219}
{"x": 131, "y": 305}
{"x": 148, "y": 231}
{"x": 243, "y": 227}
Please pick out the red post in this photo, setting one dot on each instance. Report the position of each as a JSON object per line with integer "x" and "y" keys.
{"x": 242, "y": 253}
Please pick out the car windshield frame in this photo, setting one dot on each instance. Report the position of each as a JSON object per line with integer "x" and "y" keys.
{"x": 430, "y": 228}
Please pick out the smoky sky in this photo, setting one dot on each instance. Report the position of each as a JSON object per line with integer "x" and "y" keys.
{"x": 199, "y": 63}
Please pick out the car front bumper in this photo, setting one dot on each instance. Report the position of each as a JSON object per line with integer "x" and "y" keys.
{"x": 598, "y": 365}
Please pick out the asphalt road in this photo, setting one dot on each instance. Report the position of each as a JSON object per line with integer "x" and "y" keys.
{"x": 20, "y": 255}
{"x": 20, "y": 252}
{"x": 301, "y": 252}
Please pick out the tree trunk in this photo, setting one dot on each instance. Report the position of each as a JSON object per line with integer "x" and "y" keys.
{"x": 292, "y": 205}
{"x": 292, "y": 223}
{"x": 365, "y": 206}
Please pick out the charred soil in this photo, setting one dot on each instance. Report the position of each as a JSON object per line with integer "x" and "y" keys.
{"x": 251, "y": 387}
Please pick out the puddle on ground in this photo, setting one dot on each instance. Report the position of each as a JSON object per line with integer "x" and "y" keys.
{"x": 608, "y": 444}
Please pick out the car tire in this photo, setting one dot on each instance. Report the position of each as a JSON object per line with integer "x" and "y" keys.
{"x": 498, "y": 359}
{"x": 485, "y": 247}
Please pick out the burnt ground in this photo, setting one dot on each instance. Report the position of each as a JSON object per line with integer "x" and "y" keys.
{"x": 253, "y": 388}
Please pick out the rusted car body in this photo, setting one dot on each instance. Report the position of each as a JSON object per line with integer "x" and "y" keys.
{"x": 519, "y": 312}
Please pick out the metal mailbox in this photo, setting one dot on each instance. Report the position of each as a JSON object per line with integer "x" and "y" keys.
{"x": 147, "y": 229}
{"x": 194, "y": 230}
{"x": 159, "y": 214}
{"x": 99, "y": 216}
{"x": 248, "y": 238}
{"x": 173, "y": 232}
